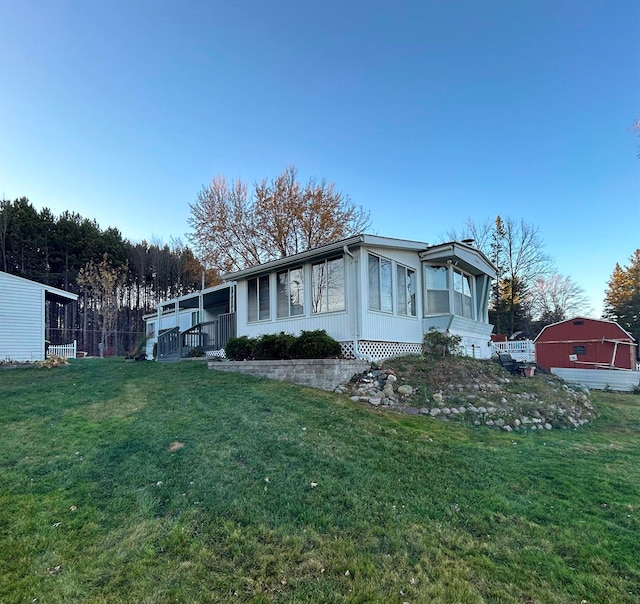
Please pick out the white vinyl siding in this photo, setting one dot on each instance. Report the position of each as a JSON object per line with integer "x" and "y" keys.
{"x": 21, "y": 319}
{"x": 327, "y": 285}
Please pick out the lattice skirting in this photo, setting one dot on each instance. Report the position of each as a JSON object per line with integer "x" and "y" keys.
{"x": 379, "y": 351}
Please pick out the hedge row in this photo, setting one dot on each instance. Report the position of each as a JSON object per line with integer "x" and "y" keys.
{"x": 308, "y": 345}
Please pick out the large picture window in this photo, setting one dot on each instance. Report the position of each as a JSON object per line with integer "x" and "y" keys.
{"x": 327, "y": 285}
{"x": 290, "y": 298}
{"x": 380, "y": 285}
{"x": 406, "y": 283}
{"x": 258, "y": 299}
{"x": 437, "y": 289}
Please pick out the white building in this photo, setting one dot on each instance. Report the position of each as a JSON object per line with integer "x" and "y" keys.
{"x": 23, "y": 305}
{"x": 377, "y": 296}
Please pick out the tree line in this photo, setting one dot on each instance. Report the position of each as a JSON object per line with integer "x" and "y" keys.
{"x": 70, "y": 252}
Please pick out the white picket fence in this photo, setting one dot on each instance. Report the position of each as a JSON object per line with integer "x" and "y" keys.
{"x": 67, "y": 351}
{"x": 520, "y": 350}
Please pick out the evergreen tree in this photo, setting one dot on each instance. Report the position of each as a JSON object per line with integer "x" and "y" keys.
{"x": 622, "y": 298}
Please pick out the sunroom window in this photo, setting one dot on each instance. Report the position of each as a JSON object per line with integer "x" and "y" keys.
{"x": 406, "y": 284}
{"x": 462, "y": 294}
{"x": 327, "y": 285}
{"x": 380, "y": 285}
{"x": 290, "y": 295}
{"x": 258, "y": 299}
{"x": 437, "y": 290}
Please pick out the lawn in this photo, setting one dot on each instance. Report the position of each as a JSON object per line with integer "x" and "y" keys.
{"x": 147, "y": 482}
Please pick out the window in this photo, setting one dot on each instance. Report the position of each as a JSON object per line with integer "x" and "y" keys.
{"x": 151, "y": 327}
{"x": 406, "y": 283}
{"x": 436, "y": 283}
{"x": 290, "y": 295}
{"x": 327, "y": 285}
{"x": 195, "y": 317}
{"x": 462, "y": 295}
{"x": 258, "y": 298}
{"x": 580, "y": 350}
{"x": 380, "y": 286}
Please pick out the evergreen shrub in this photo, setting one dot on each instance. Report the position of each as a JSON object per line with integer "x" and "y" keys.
{"x": 240, "y": 349}
{"x": 316, "y": 344}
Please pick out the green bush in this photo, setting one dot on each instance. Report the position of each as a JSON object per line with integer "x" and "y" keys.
{"x": 308, "y": 345}
{"x": 274, "y": 346}
{"x": 316, "y": 344}
{"x": 441, "y": 343}
{"x": 240, "y": 349}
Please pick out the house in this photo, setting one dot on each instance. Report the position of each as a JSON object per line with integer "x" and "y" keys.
{"x": 24, "y": 310}
{"x": 377, "y": 296}
{"x": 204, "y": 319}
{"x": 583, "y": 343}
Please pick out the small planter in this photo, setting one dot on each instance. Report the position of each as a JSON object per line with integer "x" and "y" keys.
{"x": 528, "y": 371}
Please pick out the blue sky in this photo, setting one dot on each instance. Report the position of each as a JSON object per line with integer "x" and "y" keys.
{"x": 426, "y": 113}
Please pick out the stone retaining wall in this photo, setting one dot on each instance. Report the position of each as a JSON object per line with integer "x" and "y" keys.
{"x": 325, "y": 374}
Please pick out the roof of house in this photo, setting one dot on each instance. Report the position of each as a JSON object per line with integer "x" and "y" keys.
{"x": 52, "y": 293}
{"x": 468, "y": 256}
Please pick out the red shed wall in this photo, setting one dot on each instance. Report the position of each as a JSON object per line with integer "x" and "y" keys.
{"x": 557, "y": 342}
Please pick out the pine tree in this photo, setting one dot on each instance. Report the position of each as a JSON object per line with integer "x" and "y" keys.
{"x": 622, "y": 298}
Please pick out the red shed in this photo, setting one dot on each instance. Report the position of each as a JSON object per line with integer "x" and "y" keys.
{"x": 585, "y": 344}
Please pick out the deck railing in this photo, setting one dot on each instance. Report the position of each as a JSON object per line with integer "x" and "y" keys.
{"x": 208, "y": 336}
{"x": 521, "y": 350}
{"x": 169, "y": 342}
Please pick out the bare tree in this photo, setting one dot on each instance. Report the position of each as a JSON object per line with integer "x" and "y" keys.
{"x": 516, "y": 248}
{"x": 102, "y": 283}
{"x": 557, "y": 298}
{"x": 233, "y": 230}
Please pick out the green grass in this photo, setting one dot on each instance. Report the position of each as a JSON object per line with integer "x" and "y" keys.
{"x": 406, "y": 508}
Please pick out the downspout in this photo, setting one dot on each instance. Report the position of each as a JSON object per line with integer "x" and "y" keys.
{"x": 356, "y": 318}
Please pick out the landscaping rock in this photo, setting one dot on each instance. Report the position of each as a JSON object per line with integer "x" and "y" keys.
{"x": 554, "y": 406}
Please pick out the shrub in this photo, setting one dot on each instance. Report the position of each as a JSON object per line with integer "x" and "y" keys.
{"x": 240, "y": 349}
{"x": 316, "y": 344}
{"x": 441, "y": 343}
{"x": 274, "y": 346}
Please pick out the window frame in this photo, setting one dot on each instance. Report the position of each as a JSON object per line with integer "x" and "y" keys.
{"x": 262, "y": 299}
{"x": 468, "y": 280}
{"x": 321, "y": 298}
{"x": 427, "y": 289}
{"x": 286, "y": 291}
{"x": 380, "y": 294}
{"x": 406, "y": 303}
